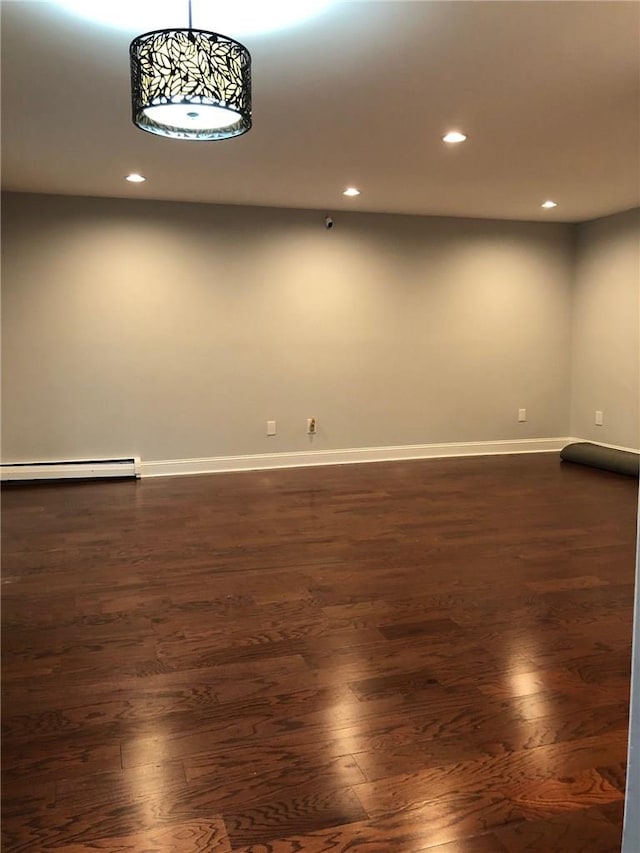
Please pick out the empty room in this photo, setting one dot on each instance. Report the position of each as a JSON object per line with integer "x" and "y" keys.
{"x": 320, "y": 426}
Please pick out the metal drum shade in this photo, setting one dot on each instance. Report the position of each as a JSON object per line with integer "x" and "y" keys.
{"x": 190, "y": 84}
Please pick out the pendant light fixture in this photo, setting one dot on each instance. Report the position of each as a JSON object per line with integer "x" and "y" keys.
{"x": 190, "y": 84}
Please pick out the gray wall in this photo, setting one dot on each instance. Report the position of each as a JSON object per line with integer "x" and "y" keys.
{"x": 605, "y": 372}
{"x": 176, "y": 330}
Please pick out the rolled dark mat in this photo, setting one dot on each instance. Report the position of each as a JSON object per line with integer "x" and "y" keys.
{"x": 619, "y": 461}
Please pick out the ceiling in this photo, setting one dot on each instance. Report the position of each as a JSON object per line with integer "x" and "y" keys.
{"x": 548, "y": 93}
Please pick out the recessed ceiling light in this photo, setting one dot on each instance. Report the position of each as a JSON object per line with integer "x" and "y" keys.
{"x": 135, "y": 178}
{"x": 549, "y": 204}
{"x": 351, "y": 191}
{"x": 454, "y": 136}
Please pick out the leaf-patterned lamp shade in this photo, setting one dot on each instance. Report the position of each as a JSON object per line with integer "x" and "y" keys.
{"x": 190, "y": 84}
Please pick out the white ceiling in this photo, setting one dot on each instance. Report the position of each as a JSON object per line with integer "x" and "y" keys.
{"x": 548, "y": 93}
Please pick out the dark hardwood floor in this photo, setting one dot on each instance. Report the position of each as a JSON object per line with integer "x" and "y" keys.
{"x": 386, "y": 658}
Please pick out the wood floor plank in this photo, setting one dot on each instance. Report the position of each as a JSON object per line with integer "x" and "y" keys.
{"x": 556, "y": 727}
{"x": 396, "y": 834}
{"x": 432, "y": 627}
{"x": 56, "y": 755}
{"x": 584, "y": 831}
{"x": 454, "y": 755}
{"x": 196, "y": 836}
{"x": 143, "y": 785}
{"x": 241, "y": 786}
{"x": 290, "y": 766}
{"x": 311, "y": 808}
{"x": 476, "y": 844}
{"x": 26, "y": 795}
{"x": 612, "y": 686}
{"x": 615, "y": 773}
{"x": 524, "y": 776}
{"x": 394, "y": 658}
{"x": 565, "y": 794}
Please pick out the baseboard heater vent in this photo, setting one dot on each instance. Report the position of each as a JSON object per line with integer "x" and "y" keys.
{"x": 79, "y": 470}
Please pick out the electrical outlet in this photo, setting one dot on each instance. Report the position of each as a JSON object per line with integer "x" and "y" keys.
{"x": 599, "y": 418}
{"x": 311, "y": 426}
{"x": 522, "y": 415}
{"x": 271, "y": 427}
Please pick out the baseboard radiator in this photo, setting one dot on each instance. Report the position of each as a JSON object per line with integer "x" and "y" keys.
{"x": 91, "y": 469}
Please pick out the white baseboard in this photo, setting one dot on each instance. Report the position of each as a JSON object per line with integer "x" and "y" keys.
{"x": 220, "y": 464}
{"x": 604, "y": 444}
{"x": 133, "y": 467}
